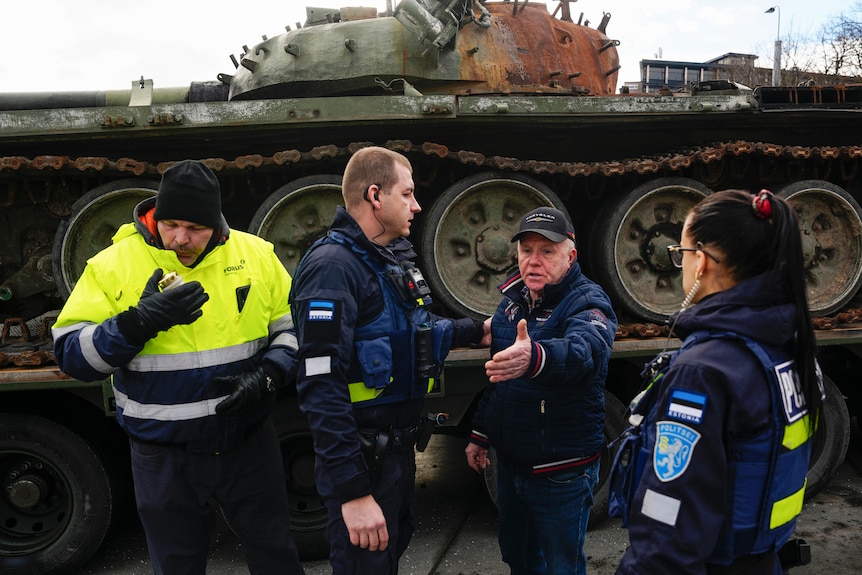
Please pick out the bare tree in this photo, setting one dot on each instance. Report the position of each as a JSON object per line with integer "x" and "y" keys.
{"x": 798, "y": 58}
{"x": 841, "y": 44}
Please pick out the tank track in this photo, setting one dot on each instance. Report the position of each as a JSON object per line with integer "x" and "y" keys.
{"x": 846, "y": 158}
{"x": 673, "y": 161}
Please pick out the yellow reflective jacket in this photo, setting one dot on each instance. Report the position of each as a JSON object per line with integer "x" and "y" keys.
{"x": 165, "y": 390}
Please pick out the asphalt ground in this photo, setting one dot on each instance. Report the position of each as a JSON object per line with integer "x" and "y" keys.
{"x": 457, "y": 523}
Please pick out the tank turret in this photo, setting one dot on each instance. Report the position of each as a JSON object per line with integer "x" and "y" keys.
{"x": 433, "y": 47}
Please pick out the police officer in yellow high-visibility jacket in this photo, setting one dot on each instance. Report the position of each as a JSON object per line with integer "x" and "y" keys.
{"x": 194, "y": 369}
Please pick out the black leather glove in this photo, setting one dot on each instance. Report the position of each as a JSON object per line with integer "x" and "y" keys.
{"x": 159, "y": 311}
{"x": 249, "y": 390}
{"x": 152, "y": 283}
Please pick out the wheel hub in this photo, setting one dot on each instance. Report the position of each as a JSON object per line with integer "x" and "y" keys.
{"x": 494, "y": 248}
{"x": 27, "y": 491}
{"x": 654, "y": 247}
{"x": 24, "y": 485}
{"x": 811, "y": 253}
{"x": 31, "y": 505}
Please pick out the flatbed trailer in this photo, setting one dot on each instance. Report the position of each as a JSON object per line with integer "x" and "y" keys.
{"x": 64, "y": 472}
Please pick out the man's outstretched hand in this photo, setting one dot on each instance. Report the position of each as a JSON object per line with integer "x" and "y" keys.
{"x": 512, "y": 362}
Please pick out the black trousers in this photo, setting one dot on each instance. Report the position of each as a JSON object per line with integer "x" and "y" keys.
{"x": 764, "y": 564}
{"x": 173, "y": 488}
{"x": 393, "y": 489}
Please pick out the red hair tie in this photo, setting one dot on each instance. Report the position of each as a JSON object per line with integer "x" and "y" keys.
{"x": 761, "y": 204}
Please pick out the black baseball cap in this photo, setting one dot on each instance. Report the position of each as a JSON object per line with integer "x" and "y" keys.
{"x": 549, "y": 222}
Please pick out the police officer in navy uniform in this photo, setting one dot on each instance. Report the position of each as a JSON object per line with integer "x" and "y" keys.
{"x": 368, "y": 351}
{"x": 727, "y": 427}
{"x": 194, "y": 367}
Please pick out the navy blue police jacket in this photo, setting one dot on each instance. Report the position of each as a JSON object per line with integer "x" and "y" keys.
{"x": 337, "y": 274}
{"x": 551, "y": 418}
{"x": 677, "y": 514}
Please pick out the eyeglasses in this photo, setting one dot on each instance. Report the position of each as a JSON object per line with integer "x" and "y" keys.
{"x": 675, "y": 254}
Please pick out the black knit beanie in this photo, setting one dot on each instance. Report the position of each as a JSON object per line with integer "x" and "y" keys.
{"x": 190, "y": 192}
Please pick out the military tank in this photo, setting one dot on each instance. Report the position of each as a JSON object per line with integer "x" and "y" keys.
{"x": 500, "y": 107}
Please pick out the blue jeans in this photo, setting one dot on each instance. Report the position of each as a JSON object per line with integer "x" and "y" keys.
{"x": 543, "y": 519}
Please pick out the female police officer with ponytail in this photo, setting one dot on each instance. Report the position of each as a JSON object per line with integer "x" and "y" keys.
{"x": 726, "y": 429}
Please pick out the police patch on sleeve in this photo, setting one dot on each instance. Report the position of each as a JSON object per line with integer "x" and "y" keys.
{"x": 674, "y": 446}
{"x": 686, "y": 405}
{"x": 322, "y": 321}
{"x": 321, "y": 310}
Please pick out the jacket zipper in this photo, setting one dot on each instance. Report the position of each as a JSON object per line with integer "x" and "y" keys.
{"x": 542, "y": 424}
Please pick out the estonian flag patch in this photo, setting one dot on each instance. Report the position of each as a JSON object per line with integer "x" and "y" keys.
{"x": 686, "y": 405}
{"x": 321, "y": 310}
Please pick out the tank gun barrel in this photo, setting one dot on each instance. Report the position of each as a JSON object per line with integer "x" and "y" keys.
{"x": 196, "y": 92}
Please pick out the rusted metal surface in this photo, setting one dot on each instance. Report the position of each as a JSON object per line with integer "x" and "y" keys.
{"x": 9, "y": 326}
{"x": 34, "y": 374}
{"x": 531, "y": 52}
{"x": 672, "y": 162}
{"x": 36, "y": 355}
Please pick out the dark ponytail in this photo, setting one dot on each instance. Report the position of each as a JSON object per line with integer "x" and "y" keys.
{"x": 759, "y": 234}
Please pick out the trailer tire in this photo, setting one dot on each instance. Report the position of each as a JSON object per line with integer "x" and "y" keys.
{"x": 308, "y": 516}
{"x": 830, "y": 441}
{"x": 65, "y": 497}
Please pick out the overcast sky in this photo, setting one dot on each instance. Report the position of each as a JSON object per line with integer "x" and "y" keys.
{"x": 59, "y": 45}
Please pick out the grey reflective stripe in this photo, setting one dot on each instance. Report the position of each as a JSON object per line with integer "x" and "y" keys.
{"x": 283, "y": 323}
{"x": 197, "y": 359}
{"x": 159, "y": 412}
{"x": 90, "y": 353}
{"x": 58, "y": 332}
{"x": 287, "y": 339}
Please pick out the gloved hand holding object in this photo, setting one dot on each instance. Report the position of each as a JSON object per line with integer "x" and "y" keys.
{"x": 159, "y": 311}
{"x": 152, "y": 284}
{"x": 249, "y": 390}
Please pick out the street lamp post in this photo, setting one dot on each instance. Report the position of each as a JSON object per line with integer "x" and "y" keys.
{"x": 776, "y": 59}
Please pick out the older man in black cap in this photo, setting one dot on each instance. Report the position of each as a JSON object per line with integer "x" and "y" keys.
{"x": 194, "y": 366}
{"x": 543, "y": 409}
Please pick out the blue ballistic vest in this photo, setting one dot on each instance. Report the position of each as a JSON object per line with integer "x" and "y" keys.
{"x": 383, "y": 368}
{"x": 767, "y": 472}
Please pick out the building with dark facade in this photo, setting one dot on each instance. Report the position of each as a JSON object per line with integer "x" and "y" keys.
{"x": 673, "y": 75}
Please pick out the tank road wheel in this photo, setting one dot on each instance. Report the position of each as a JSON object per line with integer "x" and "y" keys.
{"x": 298, "y": 213}
{"x": 307, "y": 512}
{"x": 629, "y": 251}
{"x": 94, "y": 221}
{"x": 831, "y": 242}
{"x": 56, "y": 498}
{"x": 466, "y": 239}
{"x": 615, "y": 424}
{"x": 830, "y": 441}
